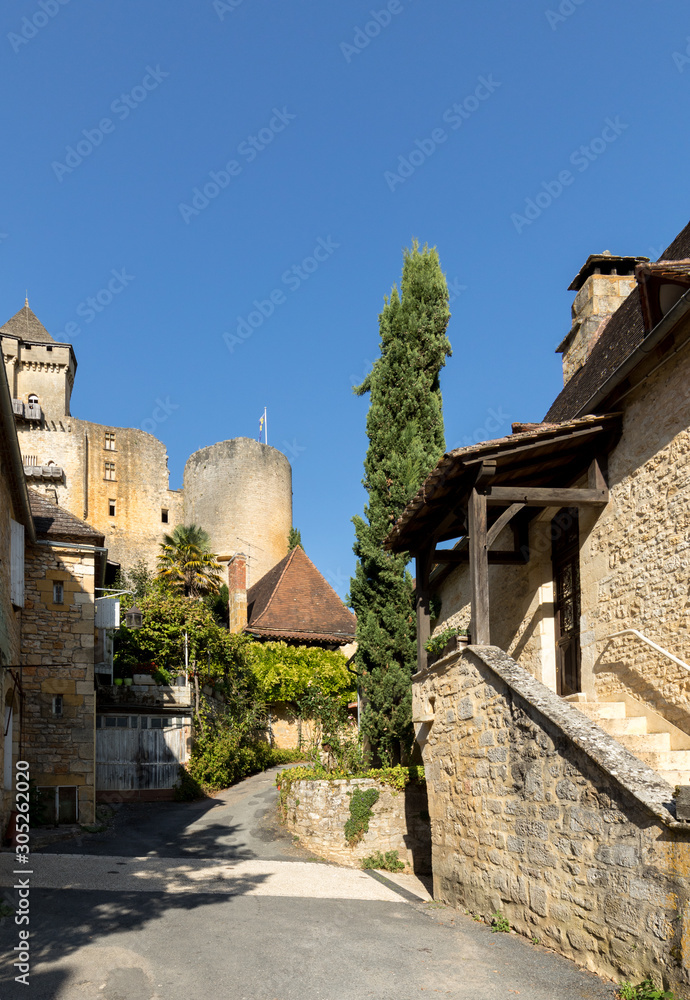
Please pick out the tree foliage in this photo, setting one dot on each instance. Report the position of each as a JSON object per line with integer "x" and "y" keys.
{"x": 294, "y": 539}
{"x": 186, "y": 563}
{"x": 285, "y": 673}
{"x": 406, "y": 439}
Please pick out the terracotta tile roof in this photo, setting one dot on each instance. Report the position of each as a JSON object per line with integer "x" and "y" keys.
{"x": 623, "y": 333}
{"x": 26, "y": 325}
{"x": 53, "y": 522}
{"x": 294, "y": 601}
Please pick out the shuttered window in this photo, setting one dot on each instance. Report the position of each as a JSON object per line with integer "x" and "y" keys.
{"x": 17, "y": 563}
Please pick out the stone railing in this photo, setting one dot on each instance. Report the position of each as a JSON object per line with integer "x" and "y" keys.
{"x": 538, "y": 813}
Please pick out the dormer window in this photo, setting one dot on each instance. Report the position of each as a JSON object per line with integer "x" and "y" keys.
{"x": 33, "y": 400}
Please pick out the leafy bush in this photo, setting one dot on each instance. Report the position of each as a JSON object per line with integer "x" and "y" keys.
{"x": 389, "y": 862}
{"x": 437, "y": 643}
{"x": 646, "y": 990}
{"x": 286, "y": 673}
{"x": 361, "y": 803}
{"x": 499, "y": 924}
{"x": 223, "y": 759}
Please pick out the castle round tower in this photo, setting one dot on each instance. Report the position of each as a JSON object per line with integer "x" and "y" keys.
{"x": 240, "y": 492}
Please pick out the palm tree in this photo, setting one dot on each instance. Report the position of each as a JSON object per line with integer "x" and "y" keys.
{"x": 186, "y": 563}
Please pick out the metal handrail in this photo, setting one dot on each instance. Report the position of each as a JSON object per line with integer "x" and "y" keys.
{"x": 644, "y": 638}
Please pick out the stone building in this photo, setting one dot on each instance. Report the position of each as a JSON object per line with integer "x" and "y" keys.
{"x": 117, "y": 478}
{"x": 294, "y": 604}
{"x": 50, "y": 564}
{"x": 554, "y": 744}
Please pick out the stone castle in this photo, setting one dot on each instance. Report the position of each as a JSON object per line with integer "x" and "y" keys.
{"x": 117, "y": 479}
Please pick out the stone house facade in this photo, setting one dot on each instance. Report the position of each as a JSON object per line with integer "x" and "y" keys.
{"x": 117, "y": 478}
{"x": 563, "y": 549}
{"x": 50, "y": 564}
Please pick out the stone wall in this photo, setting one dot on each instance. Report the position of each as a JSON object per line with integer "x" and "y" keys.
{"x": 58, "y": 659}
{"x": 537, "y": 813}
{"x": 318, "y": 810}
{"x": 9, "y": 643}
{"x": 634, "y": 565}
{"x": 241, "y": 492}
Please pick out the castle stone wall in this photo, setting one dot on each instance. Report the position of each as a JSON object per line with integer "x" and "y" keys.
{"x": 240, "y": 491}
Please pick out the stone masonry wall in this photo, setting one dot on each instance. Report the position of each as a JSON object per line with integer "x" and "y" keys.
{"x": 58, "y": 659}
{"x": 9, "y": 640}
{"x": 318, "y": 810}
{"x": 635, "y": 558}
{"x": 537, "y": 813}
{"x": 240, "y": 491}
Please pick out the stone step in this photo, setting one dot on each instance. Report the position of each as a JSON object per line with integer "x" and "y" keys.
{"x": 597, "y": 710}
{"x": 669, "y": 760}
{"x": 651, "y": 743}
{"x": 675, "y": 777}
{"x": 636, "y": 726}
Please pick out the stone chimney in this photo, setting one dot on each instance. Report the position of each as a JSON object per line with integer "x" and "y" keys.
{"x": 237, "y": 587}
{"x": 603, "y": 283}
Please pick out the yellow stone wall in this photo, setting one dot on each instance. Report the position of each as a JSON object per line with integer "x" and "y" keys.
{"x": 58, "y": 658}
{"x": 9, "y": 641}
{"x": 634, "y": 565}
{"x": 44, "y": 369}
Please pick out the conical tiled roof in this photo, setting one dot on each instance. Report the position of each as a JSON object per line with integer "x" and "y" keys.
{"x": 293, "y": 601}
{"x": 26, "y": 325}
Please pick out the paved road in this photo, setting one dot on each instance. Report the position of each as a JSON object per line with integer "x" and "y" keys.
{"x": 185, "y": 901}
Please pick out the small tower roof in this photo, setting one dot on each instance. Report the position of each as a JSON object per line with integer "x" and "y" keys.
{"x": 26, "y": 326}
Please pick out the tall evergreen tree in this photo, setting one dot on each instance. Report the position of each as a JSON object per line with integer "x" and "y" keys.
{"x": 406, "y": 439}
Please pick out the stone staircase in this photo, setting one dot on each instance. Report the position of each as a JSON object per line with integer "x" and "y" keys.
{"x": 645, "y": 734}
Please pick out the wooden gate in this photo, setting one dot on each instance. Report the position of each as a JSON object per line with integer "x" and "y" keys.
{"x": 133, "y": 759}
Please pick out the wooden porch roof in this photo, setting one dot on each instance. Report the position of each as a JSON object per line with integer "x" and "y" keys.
{"x": 550, "y": 455}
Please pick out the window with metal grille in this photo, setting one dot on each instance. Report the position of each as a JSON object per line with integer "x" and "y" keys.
{"x": 57, "y": 704}
{"x": 58, "y": 593}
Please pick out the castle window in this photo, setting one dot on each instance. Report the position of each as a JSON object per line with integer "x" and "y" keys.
{"x": 57, "y": 704}
{"x": 110, "y": 441}
{"x": 164, "y": 516}
{"x": 58, "y": 593}
{"x": 33, "y": 399}
{"x": 110, "y": 470}
{"x": 111, "y": 508}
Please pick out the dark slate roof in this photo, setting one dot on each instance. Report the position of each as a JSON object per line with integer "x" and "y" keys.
{"x": 26, "y": 326}
{"x": 294, "y": 601}
{"x": 56, "y": 523}
{"x": 622, "y": 334}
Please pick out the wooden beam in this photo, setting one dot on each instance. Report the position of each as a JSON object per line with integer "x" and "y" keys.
{"x": 543, "y": 496}
{"x": 596, "y": 480}
{"x": 460, "y": 557}
{"x": 479, "y": 569}
{"x": 498, "y": 525}
{"x": 423, "y": 569}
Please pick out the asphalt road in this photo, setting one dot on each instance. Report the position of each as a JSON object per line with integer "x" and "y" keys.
{"x": 185, "y": 901}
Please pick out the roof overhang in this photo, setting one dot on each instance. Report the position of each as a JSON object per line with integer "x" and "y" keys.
{"x": 549, "y": 457}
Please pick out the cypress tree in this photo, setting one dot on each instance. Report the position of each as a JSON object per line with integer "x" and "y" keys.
{"x": 406, "y": 439}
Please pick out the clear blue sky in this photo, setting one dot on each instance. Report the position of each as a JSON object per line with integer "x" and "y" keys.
{"x": 331, "y": 117}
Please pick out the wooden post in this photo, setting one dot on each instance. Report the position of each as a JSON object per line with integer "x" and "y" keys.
{"x": 479, "y": 569}
{"x": 423, "y": 568}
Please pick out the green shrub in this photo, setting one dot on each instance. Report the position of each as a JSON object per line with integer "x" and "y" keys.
{"x": 360, "y": 814}
{"x": 437, "y": 643}
{"x": 646, "y": 990}
{"x": 389, "y": 862}
{"x": 499, "y": 924}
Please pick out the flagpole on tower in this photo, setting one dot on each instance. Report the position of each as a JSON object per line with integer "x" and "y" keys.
{"x": 265, "y": 425}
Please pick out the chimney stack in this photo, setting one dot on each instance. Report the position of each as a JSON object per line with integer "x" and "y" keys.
{"x": 237, "y": 587}
{"x": 602, "y": 284}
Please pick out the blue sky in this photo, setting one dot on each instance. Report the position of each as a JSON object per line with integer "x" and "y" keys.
{"x": 321, "y": 138}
